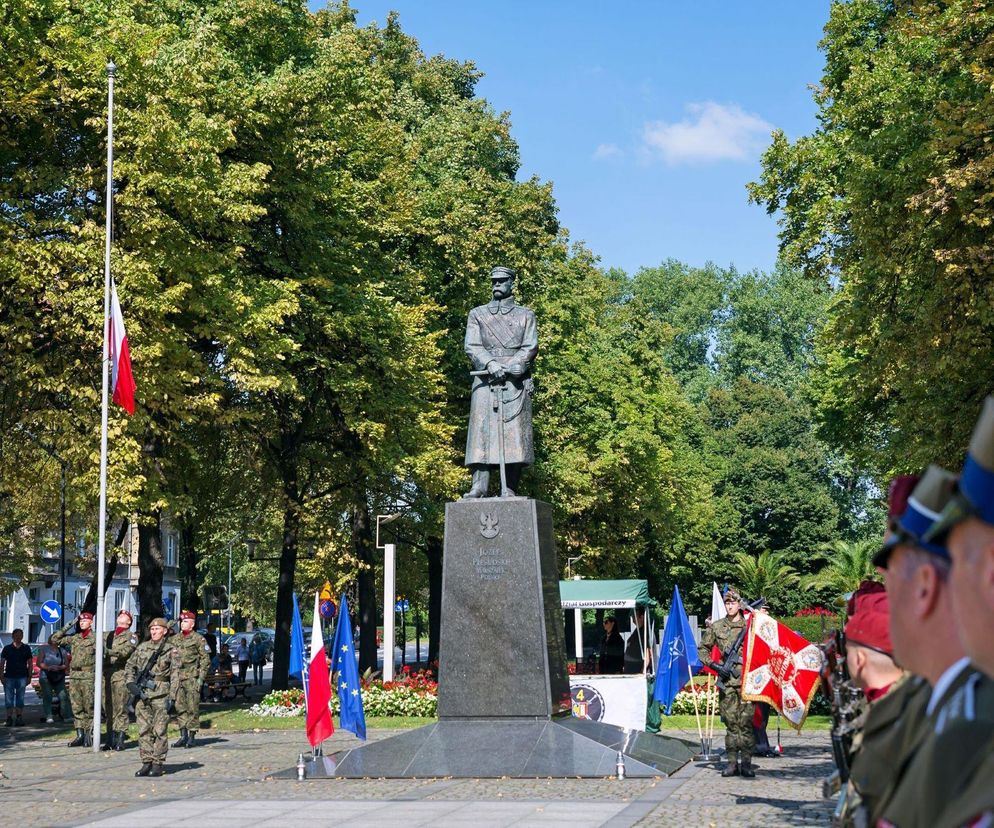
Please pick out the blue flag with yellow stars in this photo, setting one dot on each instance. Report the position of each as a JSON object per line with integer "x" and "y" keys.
{"x": 343, "y": 663}
{"x": 677, "y": 655}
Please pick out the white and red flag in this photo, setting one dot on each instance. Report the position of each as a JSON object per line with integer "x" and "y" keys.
{"x": 780, "y": 667}
{"x": 122, "y": 380}
{"x": 319, "y": 723}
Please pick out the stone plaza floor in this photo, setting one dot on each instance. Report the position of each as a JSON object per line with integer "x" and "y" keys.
{"x": 223, "y": 782}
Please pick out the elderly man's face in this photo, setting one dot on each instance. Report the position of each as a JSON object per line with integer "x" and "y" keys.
{"x": 156, "y": 632}
{"x": 186, "y": 624}
{"x": 502, "y": 287}
{"x": 971, "y": 584}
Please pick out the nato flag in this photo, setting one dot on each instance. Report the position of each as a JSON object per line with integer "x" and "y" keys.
{"x": 298, "y": 659}
{"x": 343, "y": 663}
{"x": 677, "y": 655}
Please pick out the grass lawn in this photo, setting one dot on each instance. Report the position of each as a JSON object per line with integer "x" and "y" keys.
{"x": 690, "y": 723}
{"x": 233, "y": 720}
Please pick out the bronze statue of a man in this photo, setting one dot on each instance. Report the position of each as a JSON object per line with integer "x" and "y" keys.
{"x": 501, "y": 341}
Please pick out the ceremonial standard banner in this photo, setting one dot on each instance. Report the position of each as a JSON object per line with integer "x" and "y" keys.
{"x": 615, "y": 700}
{"x": 781, "y": 668}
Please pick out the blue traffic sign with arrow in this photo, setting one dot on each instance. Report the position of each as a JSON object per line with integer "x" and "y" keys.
{"x": 51, "y": 612}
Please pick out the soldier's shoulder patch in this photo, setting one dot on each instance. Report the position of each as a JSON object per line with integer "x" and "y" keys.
{"x": 207, "y": 647}
{"x": 133, "y": 638}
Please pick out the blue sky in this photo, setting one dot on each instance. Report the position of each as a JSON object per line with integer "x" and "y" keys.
{"x": 648, "y": 117}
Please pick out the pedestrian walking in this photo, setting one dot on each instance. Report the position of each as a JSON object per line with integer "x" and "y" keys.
{"x": 244, "y": 659}
{"x": 15, "y": 669}
{"x": 152, "y": 675}
{"x": 121, "y": 643}
{"x": 257, "y": 654}
{"x": 83, "y": 648}
{"x": 53, "y": 665}
{"x": 194, "y": 662}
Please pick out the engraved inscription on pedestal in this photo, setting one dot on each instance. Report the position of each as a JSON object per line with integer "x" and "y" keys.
{"x": 501, "y": 651}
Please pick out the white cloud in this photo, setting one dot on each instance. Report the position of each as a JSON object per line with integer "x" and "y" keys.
{"x": 605, "y": 151}
{"x": 712, "y": 132}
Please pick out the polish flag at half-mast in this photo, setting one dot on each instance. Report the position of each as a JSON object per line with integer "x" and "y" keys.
{"x": 122, "y": 380}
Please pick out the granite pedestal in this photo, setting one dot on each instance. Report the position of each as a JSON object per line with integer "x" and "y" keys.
{"x": 503, "y": 695}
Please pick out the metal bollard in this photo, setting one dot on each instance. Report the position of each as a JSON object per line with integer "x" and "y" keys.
{"x": 620, "y": 766}
{"x": 301, "y": 768}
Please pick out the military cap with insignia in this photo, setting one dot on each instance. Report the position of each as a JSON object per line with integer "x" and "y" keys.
{"x": 924, "y": 508}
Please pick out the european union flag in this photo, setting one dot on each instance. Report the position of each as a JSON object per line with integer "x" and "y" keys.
{"x": 298, "y": 659}
{"x": 677, "y": 655}
{"x": 343, "y": 662}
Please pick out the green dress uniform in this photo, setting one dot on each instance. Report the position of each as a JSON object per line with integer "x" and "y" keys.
{"x": 956, "y": 735}
{"x": 150, "y": 710}
{"x": 735, "y": 712}
{"x": 976, "y": 801}
{"x": 194, "y": 659}
{"x": 889, "y": 734}
{"x": 83, "y": 648}
{"x": 118, "y": 649}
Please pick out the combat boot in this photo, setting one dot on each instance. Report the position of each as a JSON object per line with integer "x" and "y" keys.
{"x": 191, "y": 735}
{"x": 122, "y": 737}
{"x": 732, "y": 768}
{"x": 747, "y": 769}
{"x": 108, "y": 740}
{"x": 80, "y": 739}
{"x": 184, "y": 735}
{"x": 157, "y": 770}
{"x": 87, "y": 739}
{"x": 144, "y": 770}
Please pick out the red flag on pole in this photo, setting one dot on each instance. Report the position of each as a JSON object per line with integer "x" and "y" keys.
{"x": 780, "y": 667}
{"x": 319, "y": 723}
{"x": 122, "y": 380}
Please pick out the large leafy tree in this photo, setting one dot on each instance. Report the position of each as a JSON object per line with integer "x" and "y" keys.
{"x": 891, "y": 199}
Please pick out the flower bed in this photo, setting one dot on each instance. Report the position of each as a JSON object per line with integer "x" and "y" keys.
{"x": 412, "y": 694}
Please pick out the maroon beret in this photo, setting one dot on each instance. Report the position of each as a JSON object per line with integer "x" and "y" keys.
{"x": 88, "y": 615}
{"x": 898, "y": 493}
{"x": 869, "y": 618}
{"x": 187, "y": 614}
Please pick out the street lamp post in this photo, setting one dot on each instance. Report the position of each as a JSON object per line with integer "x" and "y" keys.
{"x": 389, "y": 593}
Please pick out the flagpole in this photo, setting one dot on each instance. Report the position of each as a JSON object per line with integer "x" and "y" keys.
{"x": 98, "y": 676}
{"x": 697, "y": 712}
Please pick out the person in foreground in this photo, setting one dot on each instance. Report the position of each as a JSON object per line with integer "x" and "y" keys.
{"x": 153, "y": 676}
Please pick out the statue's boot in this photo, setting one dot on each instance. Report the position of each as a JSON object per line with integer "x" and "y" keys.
{"x": 481, "y": 483}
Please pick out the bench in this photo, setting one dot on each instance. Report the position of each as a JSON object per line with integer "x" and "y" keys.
{"x": 225, "y": 688}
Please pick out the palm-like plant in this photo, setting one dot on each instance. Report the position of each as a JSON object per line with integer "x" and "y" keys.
{"x": 766, "y": 574}
{"x": 847, "y": 564}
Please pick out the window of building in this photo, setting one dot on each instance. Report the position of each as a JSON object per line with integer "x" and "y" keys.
{"x": 119, "y": 596}
{"x": 170, "y": 549}
{"x": 5, "y": 604}
{"x": 34, "y": 594}
{"x": 80, "y": 597}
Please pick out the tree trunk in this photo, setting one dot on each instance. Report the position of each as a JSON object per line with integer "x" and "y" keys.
{"x": 284, "y": 591}
{"x": 433, "y": 551}
{"x": 365, "y": 551}
{"x": 150, "y": 564}
{"x": 188, "y": 568}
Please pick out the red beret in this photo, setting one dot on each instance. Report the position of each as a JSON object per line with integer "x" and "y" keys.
{"x": 898, "y": 493}
{"x": 869, "y": 618}
{"x": 187, "y": 614}
{"x": 88, "y": 615}
{"x": 125, "y": 612}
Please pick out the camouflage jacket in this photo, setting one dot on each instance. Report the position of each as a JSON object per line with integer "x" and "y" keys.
{"x": 83, "y": 648}
{"x": 165, "y": 671}
{"x": 194, "y": 655}
{"x": 723, "y": 633}
{"x": 118, "y": 649}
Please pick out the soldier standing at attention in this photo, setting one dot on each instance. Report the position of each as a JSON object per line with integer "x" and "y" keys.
{"x": 154, "y": 665}
{"x": 121, "y": 643}
{"x": 740, "y": 740}
{"x": 194, "y": 659}
{"x": 83, "y": 646}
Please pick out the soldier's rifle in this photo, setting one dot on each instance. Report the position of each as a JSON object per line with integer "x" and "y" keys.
{"x": 143, "y": 681}
{"x": 733, "y": 657}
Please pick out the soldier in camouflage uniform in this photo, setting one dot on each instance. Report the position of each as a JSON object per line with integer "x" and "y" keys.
{"x": 157, "y": 702}
{"x": 194, "y": 658}
{"x": 121, "y": 643}
{"x": 740, "y": 740}
{"x": 83, "y": 646}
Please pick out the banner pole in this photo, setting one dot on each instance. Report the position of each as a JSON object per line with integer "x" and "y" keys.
{"x": 697, "y": 712}
{"x": 98, "y": 673}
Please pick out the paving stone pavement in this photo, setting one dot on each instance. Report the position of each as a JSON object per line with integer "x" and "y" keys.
{"x": 223, "y": 782}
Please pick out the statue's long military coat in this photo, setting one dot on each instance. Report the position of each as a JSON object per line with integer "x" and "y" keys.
{"x": 506, "y": 332}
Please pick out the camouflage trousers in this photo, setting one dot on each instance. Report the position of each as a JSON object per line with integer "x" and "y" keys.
{"x": 116, "y": 701}
{"x": 81, "y": 699}
{"x": 737, "y": 716}
{"x": 188, "y": 704}
{"x": 152, "y": 724}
